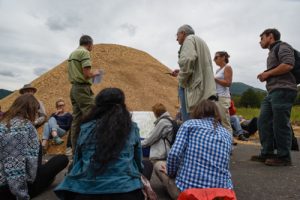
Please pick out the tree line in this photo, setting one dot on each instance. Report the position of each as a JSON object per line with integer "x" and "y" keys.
{"x": 252, "y": 99}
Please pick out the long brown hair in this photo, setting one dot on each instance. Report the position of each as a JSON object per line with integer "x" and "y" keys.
{"x": 207, "y": 108}
{"x": 25, "y": 106}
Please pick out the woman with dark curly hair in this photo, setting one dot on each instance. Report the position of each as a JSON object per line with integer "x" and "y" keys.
{"x": 108, "y": 155}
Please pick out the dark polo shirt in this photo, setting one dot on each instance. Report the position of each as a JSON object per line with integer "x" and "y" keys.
{"x": 285, "y": 55}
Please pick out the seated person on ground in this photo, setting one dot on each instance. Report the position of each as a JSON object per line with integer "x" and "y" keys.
{"x": 108, "y": 157}
{"x": 58, "y": 124}
{"x": 22, "y": 175}
{"x": 235, "y": 123}
{"x": 200, "y": 156}
{"x": 160, "y": 136}
{"x": 41, "y": 117}
{"x": 249, "y": 125}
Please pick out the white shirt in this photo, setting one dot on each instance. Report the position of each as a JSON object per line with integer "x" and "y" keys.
{"x": 221, "y": 90}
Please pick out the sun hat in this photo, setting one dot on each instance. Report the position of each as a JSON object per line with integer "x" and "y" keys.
{"x": 26, "y": 87}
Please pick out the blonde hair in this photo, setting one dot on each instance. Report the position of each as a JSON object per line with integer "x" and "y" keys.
{"x": 59, "y": 100}
{"x": 159, "y": 109}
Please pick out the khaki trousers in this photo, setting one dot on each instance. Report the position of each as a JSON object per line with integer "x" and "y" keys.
{"x": 223, "y": 104}
{"x": 82, "y": 99}
{"x": 168, "y": 182}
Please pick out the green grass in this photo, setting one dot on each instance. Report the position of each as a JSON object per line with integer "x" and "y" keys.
{"x": 249, "y": 113}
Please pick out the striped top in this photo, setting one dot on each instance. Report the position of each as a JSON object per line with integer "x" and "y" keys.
{"x": 221, "y": 90}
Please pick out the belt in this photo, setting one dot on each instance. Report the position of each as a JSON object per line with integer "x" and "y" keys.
{"x": 81, "y": 84}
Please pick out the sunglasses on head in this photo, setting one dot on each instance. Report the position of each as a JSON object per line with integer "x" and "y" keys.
{"x": 215, "y": 58}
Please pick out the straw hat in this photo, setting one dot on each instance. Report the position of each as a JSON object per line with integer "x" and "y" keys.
{"x": 26, "y": 87}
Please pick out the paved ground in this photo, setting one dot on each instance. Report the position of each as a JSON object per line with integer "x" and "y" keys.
{"x": 252, "y": 181}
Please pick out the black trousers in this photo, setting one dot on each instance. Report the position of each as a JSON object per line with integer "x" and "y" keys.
{"x": 133, "y": 195}
{"x": 45, "y": 176}
{"x": 148, "y": 168}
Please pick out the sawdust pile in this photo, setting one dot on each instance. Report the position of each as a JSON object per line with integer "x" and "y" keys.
{"x": 142, "y": 78}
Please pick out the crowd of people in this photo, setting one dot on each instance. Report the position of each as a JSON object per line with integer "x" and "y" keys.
{"x": 107, "y": 160}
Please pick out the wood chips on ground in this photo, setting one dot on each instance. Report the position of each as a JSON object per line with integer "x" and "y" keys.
{"x": 143, "y": 79}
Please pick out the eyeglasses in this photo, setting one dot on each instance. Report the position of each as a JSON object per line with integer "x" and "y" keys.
{"x": 60, "y": 105}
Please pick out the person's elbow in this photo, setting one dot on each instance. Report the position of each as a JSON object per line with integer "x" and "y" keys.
{"x": 144, "y": 144}
{"x": 288, "y": 67}
{"x": 228, "y": 83}
{"x": 87, "y": 72}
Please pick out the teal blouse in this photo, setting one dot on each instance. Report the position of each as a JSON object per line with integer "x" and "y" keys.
{"x": 120, "y": 176}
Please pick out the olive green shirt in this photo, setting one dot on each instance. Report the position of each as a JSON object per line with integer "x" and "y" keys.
{"x": 79, "y": 59}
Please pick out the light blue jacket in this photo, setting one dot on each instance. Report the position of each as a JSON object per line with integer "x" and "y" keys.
{"x": 120, "y": 176}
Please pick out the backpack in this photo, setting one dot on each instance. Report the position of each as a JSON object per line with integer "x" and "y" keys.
{"x": 174, "y": 131}
{"x": 296, "y": 70}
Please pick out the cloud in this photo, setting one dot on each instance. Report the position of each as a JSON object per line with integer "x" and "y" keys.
{"x": 60, "y": 23}
{"x": 39, "y": 70}
{"x": 7, "y": 73}
{"x": 41, "y": 34}
{"x": 131, "y": 29}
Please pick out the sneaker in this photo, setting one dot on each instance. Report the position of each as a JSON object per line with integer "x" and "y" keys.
{"x": 261, "y": 158}
{"x": 278, "y": 162}
{"x": 57, "y": 140}
{"x": 242, "y": 137}
{"x": 233, "y": 142}
{"x": 246, "y": 134}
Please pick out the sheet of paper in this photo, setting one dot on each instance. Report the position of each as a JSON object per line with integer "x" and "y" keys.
{"x": 145, "y": 121}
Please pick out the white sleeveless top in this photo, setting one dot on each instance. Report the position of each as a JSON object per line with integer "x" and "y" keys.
{"x": 221, "y": 90}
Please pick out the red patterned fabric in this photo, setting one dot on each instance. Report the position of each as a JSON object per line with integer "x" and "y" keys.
{"x": 207, "y": 194}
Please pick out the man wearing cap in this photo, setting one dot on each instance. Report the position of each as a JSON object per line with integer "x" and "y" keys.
{"x": 42, "y": 116}
{"x": 80, "y": 76}
{"x": 195, "y": 76}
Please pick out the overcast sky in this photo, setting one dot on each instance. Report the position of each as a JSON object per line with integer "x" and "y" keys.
{"x": 37, "y": 35}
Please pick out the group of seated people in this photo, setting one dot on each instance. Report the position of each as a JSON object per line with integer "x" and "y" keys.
{"x": 108, "y": 161}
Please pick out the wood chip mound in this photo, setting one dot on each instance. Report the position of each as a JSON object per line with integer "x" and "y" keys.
{"x": 143, "y": 79}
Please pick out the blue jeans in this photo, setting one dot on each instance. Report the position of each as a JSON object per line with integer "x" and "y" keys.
{"x": 274, "y": 122}
{"x": 235, "y": 123}
{"x": 50, "y": 126}
{"x": 184, "y": 114}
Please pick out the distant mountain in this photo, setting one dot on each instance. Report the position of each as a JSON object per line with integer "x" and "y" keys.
{"x": 239, "y": 88}
{"x": 4, "y": 93}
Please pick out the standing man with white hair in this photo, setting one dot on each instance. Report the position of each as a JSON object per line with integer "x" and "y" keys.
{"x": 195, "y": 76}
{"x": 80, "y": 76}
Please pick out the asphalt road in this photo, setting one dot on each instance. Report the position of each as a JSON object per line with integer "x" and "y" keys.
{"x": 252, "y": 180}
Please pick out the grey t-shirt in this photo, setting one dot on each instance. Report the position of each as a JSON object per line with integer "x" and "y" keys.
{"x": 285, "y": 55}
